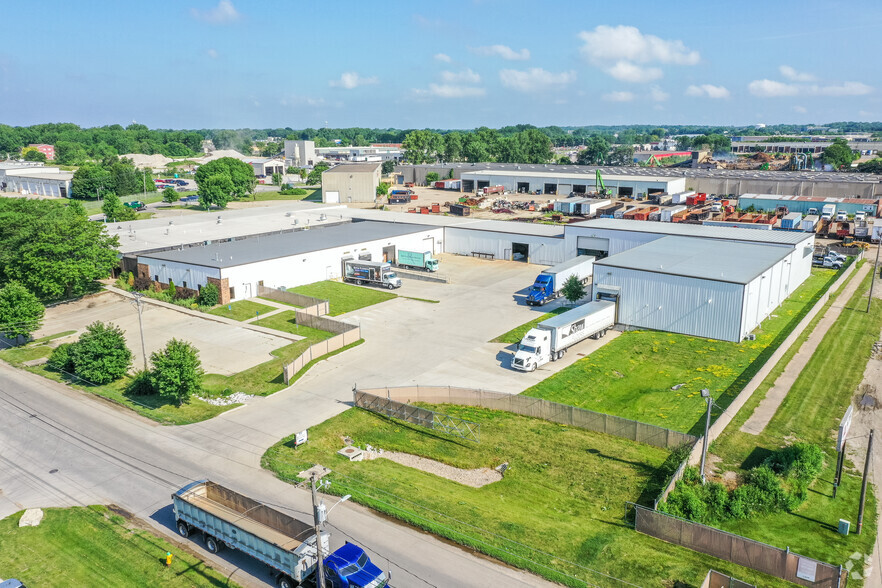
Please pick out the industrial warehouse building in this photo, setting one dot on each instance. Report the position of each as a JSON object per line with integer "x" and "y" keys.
{"x": 290, "y": 259}
{"x": 567, "y": 182}
{"x": 355, "y": 182}
{"x": 771, "y": 202}
{"x": 703, "y": 287}
{"x": 28, "y": 178}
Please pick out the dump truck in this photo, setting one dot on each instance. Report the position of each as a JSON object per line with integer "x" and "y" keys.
{"x": 288, "y": 546}
{"x": 135, "y": 205}
{"x": 417, "y": 260}
{"x": 551, "y": 281}
{"x": 378, "y": 273}
{"x": 551, "y": 338}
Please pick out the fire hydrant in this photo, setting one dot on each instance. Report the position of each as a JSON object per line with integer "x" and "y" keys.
{"x": 168, "y": 558}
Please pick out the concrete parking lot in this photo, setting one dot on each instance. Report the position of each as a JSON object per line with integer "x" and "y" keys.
{"x": 224, "y": 348}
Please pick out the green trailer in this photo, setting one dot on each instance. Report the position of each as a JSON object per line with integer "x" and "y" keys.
{"x": 416, "y": 260}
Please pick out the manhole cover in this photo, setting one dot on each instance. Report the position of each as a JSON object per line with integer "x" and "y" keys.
{"x": 868, "y": 401}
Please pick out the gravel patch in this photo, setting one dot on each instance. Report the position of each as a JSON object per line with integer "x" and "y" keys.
{"x": 234, "y": 398}
{"x": 474, "y": 478}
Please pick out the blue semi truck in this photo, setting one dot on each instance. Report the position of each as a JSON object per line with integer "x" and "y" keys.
{"x": 549, "y": 283}
{"x": 287, "y": 545}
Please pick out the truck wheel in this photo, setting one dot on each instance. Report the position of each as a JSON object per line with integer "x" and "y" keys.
{"x": 533, "y": 369}
{"x": 359, "y": 282}
{"x": 286, "y": 582}
{"x": 183, "y": 529}
{"x": 389, "y": 286}
{"x": 212, "y": 544}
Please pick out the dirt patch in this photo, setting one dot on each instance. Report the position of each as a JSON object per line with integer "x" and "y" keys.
{"x": 474, "y": 478}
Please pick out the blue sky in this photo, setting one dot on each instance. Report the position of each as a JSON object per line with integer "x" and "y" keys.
{"x": 461, "y": 64}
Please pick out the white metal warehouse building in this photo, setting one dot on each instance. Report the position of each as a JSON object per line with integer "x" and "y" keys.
{"x": 564, "y": 182}
{"x": 710, "y": 288}
{"x": 287, "y": 259}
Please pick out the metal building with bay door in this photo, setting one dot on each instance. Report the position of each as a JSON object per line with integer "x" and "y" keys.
{"x": 565, "y": 181}
{"x": 351, "y": 182}
{"x": 703, "y": 287}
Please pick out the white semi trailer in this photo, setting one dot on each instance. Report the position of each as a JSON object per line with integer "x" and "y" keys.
{"x": 549, "y": 340}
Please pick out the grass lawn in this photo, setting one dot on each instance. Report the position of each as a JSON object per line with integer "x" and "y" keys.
{"x": 157, "y": 408}
{"x": 811, "y": 412}
{"x": 242, "y": 310}
{"x": 344, "y": 298}
{"x": 266, "y": 378}
{"x": 92, "y": 546}
{"x": 274, "y": 195}
{"x": 632, "y": 376}
{"x": 560, "y": 504}
{"x": 516, "y": 334}
{"x": 284, "y": 321}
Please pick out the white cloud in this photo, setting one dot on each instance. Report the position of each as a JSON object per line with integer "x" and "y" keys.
{"x": 629, "y": 72}
{"x": 212, "y": 53}
{"x": 223, "y": 13}
{"x": 792, "y": 75}
{"x": 351, "y": 79}
{"x": 771, "y": 89}
{"x": 708, "y": 91}
{"x": 466, "y": 76}
{"x": 625, "y": 47}
{"x": 502, "y": 51}
{"x": 657, "y": 94}
{"x": 450, "y": 91}
{"x": 800, "y": 109}
{"x": 443, "y": 57}
{"x": 535, "y": 79}
{"x": 619, "y": 96}
{"x": 774, "y": 89}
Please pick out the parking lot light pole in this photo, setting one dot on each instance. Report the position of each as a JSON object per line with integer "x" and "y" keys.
{"x": 705, "y": 393}
{"x": 138, "y": 304}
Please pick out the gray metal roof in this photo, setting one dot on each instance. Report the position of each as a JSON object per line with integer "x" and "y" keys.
{"x": 690, "y": 230}
{"x": 256, "y": 249}
{"x": 707, "y": 259}
{"x": 353, "y": 167}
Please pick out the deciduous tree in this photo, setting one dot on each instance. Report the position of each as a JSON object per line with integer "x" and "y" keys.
{"x": 169, "y": 195}
{"x": 101, "y": 355}
{"x": 177, "y": 371}
{"x": 573, "y": 289}
{"x": 21, "y": 313}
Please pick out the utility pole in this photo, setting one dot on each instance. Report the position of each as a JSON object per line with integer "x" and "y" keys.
{"x": 875, "y": 270}
{"x": 138, "y": 304}
{"x": 320, "y": 575}
{"x": 710, "y": 402}
{"x": 860, "y": 521}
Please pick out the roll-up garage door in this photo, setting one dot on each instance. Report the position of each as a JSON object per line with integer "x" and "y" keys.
{"x": 592, "y": 245}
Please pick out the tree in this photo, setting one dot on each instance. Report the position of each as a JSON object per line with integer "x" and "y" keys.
{"x": 224, "y": 179}
{"x": 315, "y": 176}
{"x": 564, "y": 160}
{"x": 622, "y": 155}
{"x": 169, "y": 195}
{"x": 452, "y": 146}
{"x": 277, "y": 179}
{"x": 209, "y": 295}
{"x": 422, "y": 146}
{"x": 21, "y": 313}
{"x": 304, "y": 173}
{"x": 388, "y": 167}
{"x": 383, "y": 189}
{"x": 171, "y": 289}
{"x": 595, "y": 151}
{"x": 88, "y": 180}
{"x": 34, "y": 154}
{"x": 449, "y": 175}
{"x": 100, "y": 355}
{"x": 76, "y": 207}
{"x": 432, "y": 177}
{"x": 839, "y": 154}
{"x": 534, "y": 146}
{"x": 177, "y": 371}
{"x": 573, "y": 289}
{"x": 114, "y": 210}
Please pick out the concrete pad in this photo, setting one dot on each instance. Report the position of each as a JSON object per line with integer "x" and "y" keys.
{"x": 31, "y": 518}
{"x": 223, "y": 348}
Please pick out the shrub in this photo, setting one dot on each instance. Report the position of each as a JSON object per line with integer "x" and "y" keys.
{"x": 130, "y": 279}
{"x": 61, "y": 359}
{"x": 177, "y": 371}
{"x": 101, "y": 355}
{"x": 184, "y": 293}
{"x": 140, "y": 384}
{"x": 141, "y": 284}
{"x": 171, "y": 290}
{"x": 800, "y": 461}
{"x": 209, "y": 295}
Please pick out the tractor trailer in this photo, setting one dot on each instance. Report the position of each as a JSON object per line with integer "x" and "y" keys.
{"x": 288, "y": 546}
{"x": 551, "y": 281}
{"x": 549, "y": 340}
{"x": 415, "y": 259}
{"x": 370, "y": 272}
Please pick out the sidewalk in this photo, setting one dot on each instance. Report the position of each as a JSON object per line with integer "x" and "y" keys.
{"x": 767, "y": 408}
{"x": 279, "y": 307}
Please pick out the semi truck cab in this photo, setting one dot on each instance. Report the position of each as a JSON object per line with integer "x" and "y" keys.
{"x": 542, "y": 290}
{"x": 350, "y": 567}
{"x": 533, "y": 351}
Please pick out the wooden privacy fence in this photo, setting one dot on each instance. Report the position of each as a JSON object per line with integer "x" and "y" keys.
{"x": 308, "y": 304}
{"x": 540, "y": 409}
{"x": 781, "y": 563}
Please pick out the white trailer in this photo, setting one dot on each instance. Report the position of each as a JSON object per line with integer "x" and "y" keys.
{"x": 551, "y": 338}
{"x": 681, "y": 197}
{"x": 550, "y": 282}
{"x": 809, "y": 223}
{"x": 669, "y": 212}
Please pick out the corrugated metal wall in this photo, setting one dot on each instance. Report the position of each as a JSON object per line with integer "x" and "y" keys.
{"x": 677, "y": 304}
{"x": 543, "y": 250}
{"x": 193, "y": 275}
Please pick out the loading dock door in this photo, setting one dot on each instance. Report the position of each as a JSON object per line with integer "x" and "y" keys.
{"x": 523, "y": 187}
{"x": 596, "y": 246}
{"x": 550, "y": 189}
{"x": 332, "y": 197}
{"x": 565, "y": 189}
{"x": 626, "y": 191}
{"x": 520, "y": 252}
{"x": 580, "y": 189}
{"x": 429, "y": 244}
{"x": 389, "y": 253}
{"x": 468, "y": 185}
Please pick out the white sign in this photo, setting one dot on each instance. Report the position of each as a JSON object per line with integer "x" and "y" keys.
{"x": 301, "y": 438}
{"x": 844, "y": 426}
{"x": 806, "y": 569}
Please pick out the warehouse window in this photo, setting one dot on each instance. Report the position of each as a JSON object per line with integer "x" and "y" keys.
{"x": 232, "y": 293}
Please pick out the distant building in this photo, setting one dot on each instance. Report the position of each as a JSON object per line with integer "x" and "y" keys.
{"x": 266, "y": 167}
{"x": 300, "y": 153}
{"x": 47, "y": 150}
{"x": 356, "y": 182}
{"x": 34, "y": 178}
{"x": 361, "y": 154}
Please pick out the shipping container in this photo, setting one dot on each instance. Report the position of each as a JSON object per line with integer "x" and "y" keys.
{"x": 681, "y": 197}
{"x": 668, "y": 213}
{"x": 808, "y": 223}
{"x": 792, "y": 221}
{"x": 460, "y": 210}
